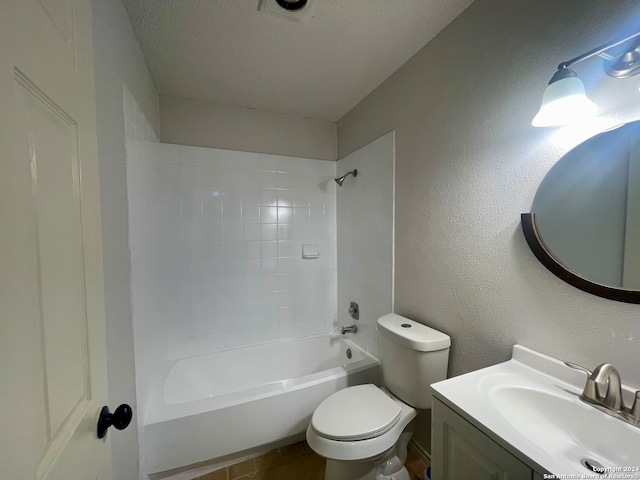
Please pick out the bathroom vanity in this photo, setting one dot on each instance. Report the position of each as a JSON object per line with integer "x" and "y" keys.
{"x": 524, "y": 419}
{"x": 462, "y": 451}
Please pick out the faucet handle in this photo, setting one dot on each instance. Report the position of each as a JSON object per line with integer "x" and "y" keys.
{"x": 635, "y": 408}
{"x": 590, "y": 392}
{"x": 575, "y": 366}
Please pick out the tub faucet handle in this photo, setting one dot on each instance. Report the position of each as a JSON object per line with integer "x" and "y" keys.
{"x": 349, "y": 329}
{"x": 354, "y": 310}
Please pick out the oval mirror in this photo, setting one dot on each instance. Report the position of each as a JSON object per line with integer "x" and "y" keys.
{"x": 585, "y": 220}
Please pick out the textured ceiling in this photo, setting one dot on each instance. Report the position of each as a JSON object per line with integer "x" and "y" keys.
{"x": 227, "y": 51}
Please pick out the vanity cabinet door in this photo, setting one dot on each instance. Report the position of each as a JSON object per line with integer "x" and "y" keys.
{"x": 461, "y": 452}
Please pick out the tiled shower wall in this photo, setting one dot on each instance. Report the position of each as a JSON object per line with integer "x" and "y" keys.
{"x": 219, "y": 235}
{"x": 144, "y": 191}
{"x": 236, "y": 276}
{"x": 365, "y": 238}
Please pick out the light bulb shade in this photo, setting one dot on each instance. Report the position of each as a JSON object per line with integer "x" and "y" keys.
{"x": 564, "y": 101}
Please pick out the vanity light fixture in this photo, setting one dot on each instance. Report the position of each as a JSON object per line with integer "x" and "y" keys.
{"x": 565, "y": 100}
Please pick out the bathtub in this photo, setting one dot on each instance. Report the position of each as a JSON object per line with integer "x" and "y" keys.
{"x": 216, "y": 405}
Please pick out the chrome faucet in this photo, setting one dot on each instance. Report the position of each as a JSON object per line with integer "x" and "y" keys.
{"x": 349, "y": 329}
{"x": 611, "y": 403}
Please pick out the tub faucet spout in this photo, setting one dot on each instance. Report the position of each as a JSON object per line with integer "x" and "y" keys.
{"x": 349, "y": 329}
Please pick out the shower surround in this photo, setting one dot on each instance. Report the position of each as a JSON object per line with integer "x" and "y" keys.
{"x": 216, "y": 242}
{"x": 235, "y": 274}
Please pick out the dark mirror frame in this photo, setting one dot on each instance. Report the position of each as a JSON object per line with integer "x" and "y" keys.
{"x": 555, "y": 266}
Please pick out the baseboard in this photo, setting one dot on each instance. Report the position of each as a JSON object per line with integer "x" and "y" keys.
{"x": 420, "y": 452}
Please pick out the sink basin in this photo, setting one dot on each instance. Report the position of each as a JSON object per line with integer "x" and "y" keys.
{"x": 568, "y": 427}
{"x": 530, "y": 405}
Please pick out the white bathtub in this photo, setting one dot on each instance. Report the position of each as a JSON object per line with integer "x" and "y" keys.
{"x": 216, "y": 405}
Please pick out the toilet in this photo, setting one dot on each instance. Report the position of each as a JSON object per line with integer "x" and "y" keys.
{"x": 363, "y": 431}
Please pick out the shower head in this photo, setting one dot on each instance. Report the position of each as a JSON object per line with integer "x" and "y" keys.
{"x": 340, "y": 180}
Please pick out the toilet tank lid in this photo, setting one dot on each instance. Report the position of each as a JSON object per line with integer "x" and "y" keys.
{"x": 412, "y": 334}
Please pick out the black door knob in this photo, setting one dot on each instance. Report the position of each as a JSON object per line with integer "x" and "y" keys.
{"x": 120, "y": 419}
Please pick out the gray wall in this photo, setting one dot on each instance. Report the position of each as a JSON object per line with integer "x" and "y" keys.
{"x": 204, "y": 124}
{"x": 468, "y": 163}
{"x": 118, "y": 61}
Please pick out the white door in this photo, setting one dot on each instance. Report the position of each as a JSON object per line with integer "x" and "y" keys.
{"x": 52, "y": 339}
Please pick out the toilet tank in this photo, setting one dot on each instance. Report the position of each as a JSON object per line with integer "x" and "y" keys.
{"x": 413, "y": 356}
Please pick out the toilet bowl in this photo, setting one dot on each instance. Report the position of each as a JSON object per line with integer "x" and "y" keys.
{"x": 358, "y": 431}
{"x": 358, "y": 423}
{"x": 363, "y": 431}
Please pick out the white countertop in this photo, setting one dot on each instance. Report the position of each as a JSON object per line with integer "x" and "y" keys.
{"x": 491, "y": 399}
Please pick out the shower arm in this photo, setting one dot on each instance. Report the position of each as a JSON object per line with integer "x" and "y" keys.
{"x": 341, "y": 179}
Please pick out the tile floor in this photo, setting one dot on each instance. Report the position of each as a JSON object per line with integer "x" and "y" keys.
{"x": 294, "y": 462}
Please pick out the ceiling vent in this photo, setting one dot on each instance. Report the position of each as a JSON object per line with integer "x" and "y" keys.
{"x": 296, "y": 10}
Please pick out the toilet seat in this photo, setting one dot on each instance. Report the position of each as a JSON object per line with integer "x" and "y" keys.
{"x": 356, "y": 413}
{"x": 365, "y": 448}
